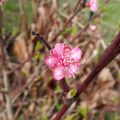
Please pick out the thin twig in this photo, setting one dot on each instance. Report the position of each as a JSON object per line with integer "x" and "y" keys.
{"x": 22, "y": 64}
{"x": 42, "y": 39}
{"x": 77, "y": 5}
{"x": 7, "y": 96}
{"x": 66, "y": 17}
{"x": 79, "y": 34}
{"x": 68, "y": 21}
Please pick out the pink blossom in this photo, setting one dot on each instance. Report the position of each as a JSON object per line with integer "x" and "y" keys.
{"x": 1, "y": 2}
{"x": 93, "y": 5}
{"x": 92, "y": 27}
{"x": 64, "y": 61}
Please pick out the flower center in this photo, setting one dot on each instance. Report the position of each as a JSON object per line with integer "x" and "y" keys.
{"x": 65, "y": 61}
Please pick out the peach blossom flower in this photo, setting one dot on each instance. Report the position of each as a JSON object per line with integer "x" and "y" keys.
{"x": 93, "y": 5}
{"x": 64, "y": 61}
{"x": 92, "y": 27}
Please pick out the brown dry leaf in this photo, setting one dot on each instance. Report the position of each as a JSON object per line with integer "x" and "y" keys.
{"x": 20, "y": 48}
{"x": 31, "y": 107}
{"x": 105, "y": 79}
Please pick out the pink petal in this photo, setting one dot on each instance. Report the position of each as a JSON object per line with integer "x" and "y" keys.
{"x": 58, "y": 50}
{"x": 58, "y": 73}
{"x": 51, "y": 61}
{"x": 76, "y": 54}
{"x": 93, "y": 5}
{"x": 93, "y": 27}
{"x": 74, "y": 68}
{"x": 67, "y": 49}
{"x": 68, "y": 72}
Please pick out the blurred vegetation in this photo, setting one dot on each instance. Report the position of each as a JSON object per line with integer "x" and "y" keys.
{"x": 110, "y": 18}
{"x": 110, "y": 23}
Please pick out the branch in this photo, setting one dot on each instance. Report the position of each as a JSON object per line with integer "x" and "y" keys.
{"x": 41, "y": 38}
{"x": 63, "y": 84}
{"x": 110, "y": 53}
{"x": 7, "y": 96}
{"x": 22, "y": 64}
{"x": 79, "y": 34}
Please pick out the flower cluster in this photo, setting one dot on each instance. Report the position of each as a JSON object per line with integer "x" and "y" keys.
{"x": 64, "y": 61}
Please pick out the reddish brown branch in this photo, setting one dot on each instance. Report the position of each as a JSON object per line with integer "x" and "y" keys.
{"x": 63, "y": 84}
{"x": 110, "y": 53}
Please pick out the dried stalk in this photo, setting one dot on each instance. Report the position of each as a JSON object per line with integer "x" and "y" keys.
{"x": 33, "y": 2}
{"x": 77, "y": 9}
{"x": 23, "y": 63}
{"x": 23, "y": 17}
{"x": 7, "y": 96}
{"x": 5, "y": 77}
{"x": 67, "y": 17}
{"x": 1, "y": 40}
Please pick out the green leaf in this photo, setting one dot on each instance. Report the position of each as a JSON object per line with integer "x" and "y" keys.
{"x": 115, "y": 98}
{"x": 73, "y": 116}
{"x": 83, "y": 111}
{"x": 58, "y": 89}
{"x": 38, "y": 46}
{"x": 14, "y": 31}
{"x": 74, "y": 30}
{"x": 58, "y": 106}
{"x": 71, "y": 93}
{"x": 111, "y": 116}
{"x": 44, "y": 117}
{"x": 116, "y": 117}
{"x": 37, "y": 57}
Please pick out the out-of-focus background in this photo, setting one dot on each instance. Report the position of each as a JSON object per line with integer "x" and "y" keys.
{"x": 33, "y": 93}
